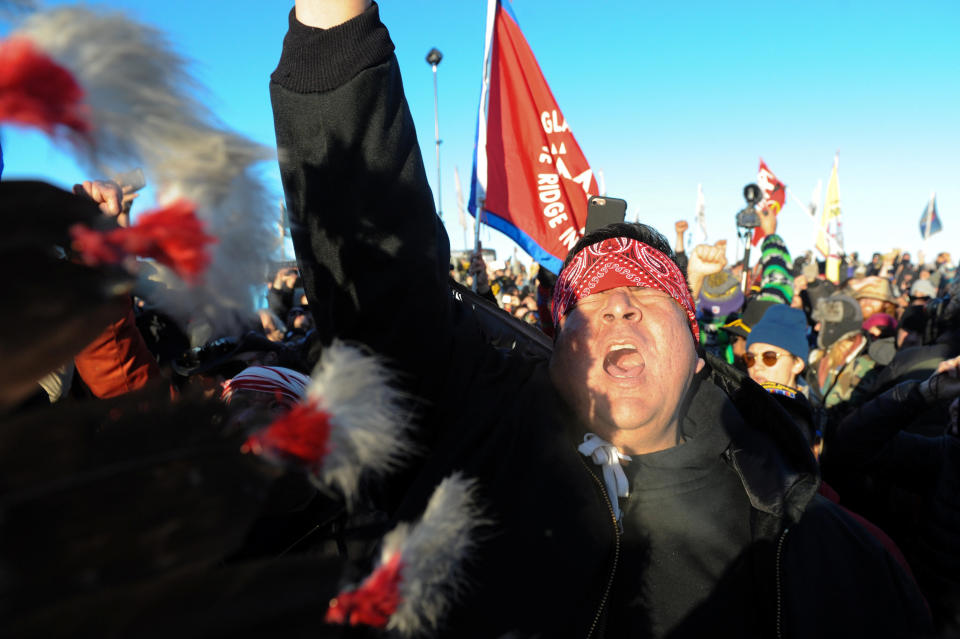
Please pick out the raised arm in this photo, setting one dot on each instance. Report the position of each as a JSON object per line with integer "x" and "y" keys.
{"x": 373, "y": 254}
{"x": 867, "y": 431}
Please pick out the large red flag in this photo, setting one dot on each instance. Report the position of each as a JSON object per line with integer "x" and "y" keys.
{"x": 774, "y": 195}
{"x": 530, "y": 178}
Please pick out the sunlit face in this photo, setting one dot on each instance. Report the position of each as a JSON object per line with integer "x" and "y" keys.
{"x": 624, "y": 359}
{"x": 870, "y": 306}
{"x": 783, "y": 371}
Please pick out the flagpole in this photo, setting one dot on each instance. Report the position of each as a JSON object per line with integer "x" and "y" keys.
{"x": 813, "y": 208}
{"x": 461, "y": 213}
{"x": 480, "y": 165}
{"x": 701, "y": 213}
{"x": 799, "y": 202}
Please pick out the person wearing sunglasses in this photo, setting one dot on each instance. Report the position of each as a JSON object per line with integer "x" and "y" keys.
{"x": 777, "y": 347}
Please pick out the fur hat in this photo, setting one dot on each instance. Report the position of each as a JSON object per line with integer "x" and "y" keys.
{"x": 839, "y": 316}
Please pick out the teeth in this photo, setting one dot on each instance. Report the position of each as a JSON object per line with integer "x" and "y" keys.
{"x": 622, "y": 347}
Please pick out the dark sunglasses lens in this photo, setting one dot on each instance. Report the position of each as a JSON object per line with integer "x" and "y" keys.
{"x": 769, "y": 358}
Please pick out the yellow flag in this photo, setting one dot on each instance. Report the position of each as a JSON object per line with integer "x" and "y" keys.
{"x": 827, "y": 238}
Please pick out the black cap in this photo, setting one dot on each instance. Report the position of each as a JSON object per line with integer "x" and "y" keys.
{"x": 752, "y": 313}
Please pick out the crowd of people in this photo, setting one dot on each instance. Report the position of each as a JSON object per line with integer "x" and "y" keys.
{"x": 659, "y": 443}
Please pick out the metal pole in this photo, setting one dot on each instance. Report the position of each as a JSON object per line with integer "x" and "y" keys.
{"x": 433, "y": 59}
{"x": 745, "y": 275}
{"x": 436, "y": 133}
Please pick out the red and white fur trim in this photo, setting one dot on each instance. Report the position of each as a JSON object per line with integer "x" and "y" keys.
{"x": 420, "y": 573}
{"x": 173, "y": 236}
{"x": 352, "y": 398}
{"x": 139, "y": 96}
{"x": 36, "y": 91}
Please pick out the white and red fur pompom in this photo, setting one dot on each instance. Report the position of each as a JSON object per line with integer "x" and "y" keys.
{"x": 36, "y": 91}
{"x": 352, "y": 422}
{"x": 143, "y": 105}
{"x": 173, "y": 235}
{"x": 420, "y": 573}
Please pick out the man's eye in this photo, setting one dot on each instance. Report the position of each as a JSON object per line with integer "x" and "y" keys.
{"x": 589, "y": 304}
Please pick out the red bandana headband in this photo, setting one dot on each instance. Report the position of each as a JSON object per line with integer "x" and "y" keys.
{"x": 619, "y": 262}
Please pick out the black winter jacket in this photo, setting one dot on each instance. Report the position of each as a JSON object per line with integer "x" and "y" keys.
{"x": 909, "y": 484}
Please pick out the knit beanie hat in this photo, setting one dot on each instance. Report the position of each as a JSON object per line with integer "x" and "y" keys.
{"x": 784, "y": 327}
{"x": 886, "y": 323}
{"x": 923, "y": 288}
{"x": 720, "y": 295}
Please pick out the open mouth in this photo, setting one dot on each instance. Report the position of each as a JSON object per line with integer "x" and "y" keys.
{"x": 623, "y": 361}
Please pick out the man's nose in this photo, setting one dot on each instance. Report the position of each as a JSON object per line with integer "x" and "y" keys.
{"x": 619, "y": 305}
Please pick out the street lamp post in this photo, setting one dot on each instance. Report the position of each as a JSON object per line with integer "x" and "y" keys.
{"x": 433, "y": 59}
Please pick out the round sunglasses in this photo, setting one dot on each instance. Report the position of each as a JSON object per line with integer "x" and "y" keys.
{"x": 769, "y": 358}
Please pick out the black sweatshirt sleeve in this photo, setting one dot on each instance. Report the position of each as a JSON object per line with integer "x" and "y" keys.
{"x": 373, "y": 254}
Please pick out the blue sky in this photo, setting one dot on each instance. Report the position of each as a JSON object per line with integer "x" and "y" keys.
{"x": 661, "y": 97}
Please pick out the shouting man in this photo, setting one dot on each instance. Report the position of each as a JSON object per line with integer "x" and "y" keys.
{"x": 630, "y": 485}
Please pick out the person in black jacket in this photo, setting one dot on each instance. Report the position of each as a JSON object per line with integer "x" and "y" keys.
{"x": 632, "y": 486}
{"x": 908, "y": 482}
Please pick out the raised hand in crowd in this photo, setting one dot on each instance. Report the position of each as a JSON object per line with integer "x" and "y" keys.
{"x": 108, "y": 195}
{"x": 799, "y": 285}
{"x": 129, "y": 195}
{"x": 286, "y": 279}
{"x": 680, "y": 227}
{"x": 478, "y": 270}
{"x": 705, "y": 260}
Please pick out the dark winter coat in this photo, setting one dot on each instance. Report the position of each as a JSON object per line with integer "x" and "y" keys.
{"x": 907, "y": 483}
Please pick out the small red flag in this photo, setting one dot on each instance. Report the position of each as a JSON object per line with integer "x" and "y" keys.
{"x": 774, "y": 195}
